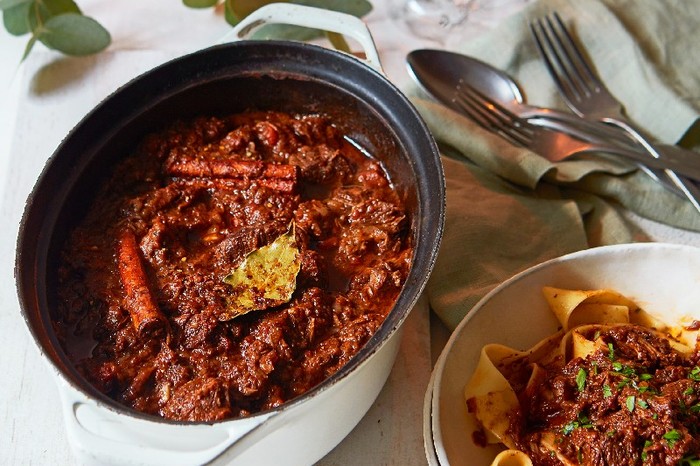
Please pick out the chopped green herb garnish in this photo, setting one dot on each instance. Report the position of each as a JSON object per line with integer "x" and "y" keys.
{"x": 647, "y": 444}
{"x": 695, "y": 374}
{"x": 582, "y": 422}
{"x": 689, "y": 391}
{"x": 611, "y": 352}
{"x": 690, "y": 460}
{"x": 672, "y": 436}
{"x": 628, "y": 371}
{"x": 646, "y": 377}
{"x": 630, "y": 402}
{"x": 581, "y": 379}
{"x": 569, "y": 427}
{"x": 607, "y": 391}
{"x": 642, "y": 403}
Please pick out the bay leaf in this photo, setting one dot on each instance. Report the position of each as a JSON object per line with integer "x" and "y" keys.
{"x": 266, "y": 278}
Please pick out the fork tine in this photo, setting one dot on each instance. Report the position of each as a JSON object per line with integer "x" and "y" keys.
{"x": 574, "y": 52}
{"x": 493, "y": 116}
{"x": 565, "y": 59}
{"x": 553, "y": 61}
{"x": 502, "y": 116}
{"x": 503, "y": 122}
{"x": 474, "y": 112}
{"x": 558, "y": 60}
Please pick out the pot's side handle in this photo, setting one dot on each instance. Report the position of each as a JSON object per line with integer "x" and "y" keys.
{"x": 101, "y": 436}
{"x": 317, "y": 18}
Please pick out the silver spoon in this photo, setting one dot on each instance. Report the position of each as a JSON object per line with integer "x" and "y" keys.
{"x": 440, "y": 72}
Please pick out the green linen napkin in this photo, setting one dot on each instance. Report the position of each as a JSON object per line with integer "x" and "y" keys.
{"x": 507, "y": 208}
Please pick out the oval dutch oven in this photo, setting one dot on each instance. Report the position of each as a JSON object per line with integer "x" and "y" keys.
{"x": 231, "y": 77}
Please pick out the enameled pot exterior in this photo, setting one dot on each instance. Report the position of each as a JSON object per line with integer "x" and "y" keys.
{"x": 228, "y": 78}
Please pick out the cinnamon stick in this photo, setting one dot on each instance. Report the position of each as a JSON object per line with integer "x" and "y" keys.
{"x": 145, "y": 315}
{"x": 227, "y": 168}
{"x": 276, "y": 184}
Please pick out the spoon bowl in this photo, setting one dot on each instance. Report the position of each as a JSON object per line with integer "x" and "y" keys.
{"x": 440, "y": 73}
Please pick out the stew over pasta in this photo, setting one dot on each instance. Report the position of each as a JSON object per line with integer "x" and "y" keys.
{"x": 614, "y": 387}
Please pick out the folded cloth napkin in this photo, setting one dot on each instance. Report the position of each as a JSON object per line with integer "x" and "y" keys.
{"x": 508, "y": 208}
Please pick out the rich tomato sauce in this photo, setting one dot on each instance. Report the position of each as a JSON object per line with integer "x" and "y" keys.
{"x": 141, "y": 288}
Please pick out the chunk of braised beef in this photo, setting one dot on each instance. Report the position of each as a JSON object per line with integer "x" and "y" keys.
{"x": 200, "y": 399}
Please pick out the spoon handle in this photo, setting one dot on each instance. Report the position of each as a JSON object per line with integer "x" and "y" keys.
{"x": 603, "y": 134}
{"x": 587, "y": 130}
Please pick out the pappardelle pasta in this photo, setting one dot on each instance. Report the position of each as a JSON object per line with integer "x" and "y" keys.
{"x": 614, "y": 386}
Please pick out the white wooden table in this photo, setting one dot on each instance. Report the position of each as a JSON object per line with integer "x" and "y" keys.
{"x": 42, "y": 100}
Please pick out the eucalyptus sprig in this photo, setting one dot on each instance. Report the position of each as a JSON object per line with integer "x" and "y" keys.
{"x": 61, "y": 25}
{"x": 58, "y": 24}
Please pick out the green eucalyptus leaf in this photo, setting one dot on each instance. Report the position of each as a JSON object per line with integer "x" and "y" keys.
{"x": 28, "y": 48}
{"x": 16, "y": 19}
{"x": 286, "y": 32}
{"x": 338, "y": 41}
{"x": 43, "y": 10}
{"x": 74, "y": 34}
{"x": 200, "y": 3}
{"x": 229, "y": 15}
{"x": 242, "y": 8}
{"x": 57, "y": 7}
{"x": 7, "y": 4}
{"x": 357, "y": 8}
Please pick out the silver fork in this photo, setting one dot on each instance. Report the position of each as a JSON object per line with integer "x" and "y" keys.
{"x": 552, "y": 145}
{"x": 586, "y": 94}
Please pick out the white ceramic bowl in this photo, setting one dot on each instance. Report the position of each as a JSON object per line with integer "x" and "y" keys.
{"x": 663, "y": 278}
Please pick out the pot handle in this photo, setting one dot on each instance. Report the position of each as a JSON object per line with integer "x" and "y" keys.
{"x": 312, "y": 17}
{"x": 102, "y": 436}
